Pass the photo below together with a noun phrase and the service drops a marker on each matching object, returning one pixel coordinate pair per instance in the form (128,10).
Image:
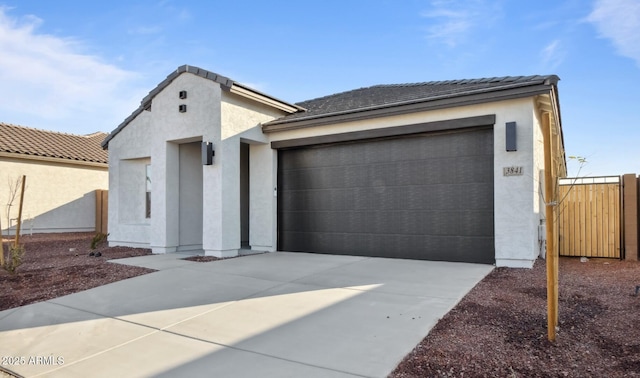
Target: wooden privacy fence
(102,199)
(589,217)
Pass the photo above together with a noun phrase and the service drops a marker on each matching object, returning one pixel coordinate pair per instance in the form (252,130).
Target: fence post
(101,211)
(630,216)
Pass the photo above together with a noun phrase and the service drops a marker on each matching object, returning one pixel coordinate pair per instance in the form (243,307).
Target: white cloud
(619,21)
(48,82)
(184,15)
(453,21)
(552,55)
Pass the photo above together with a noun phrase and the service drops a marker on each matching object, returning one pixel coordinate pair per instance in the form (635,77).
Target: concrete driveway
(269,315)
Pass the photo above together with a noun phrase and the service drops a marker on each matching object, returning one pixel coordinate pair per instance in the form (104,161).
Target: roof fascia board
(105,142)
(418,128)
(53,160)
(262,98)
(400,109)
(225,83)
(548,103)
(555,105)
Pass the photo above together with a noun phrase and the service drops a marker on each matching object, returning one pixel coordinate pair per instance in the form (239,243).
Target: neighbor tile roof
(34,142)
(381,96)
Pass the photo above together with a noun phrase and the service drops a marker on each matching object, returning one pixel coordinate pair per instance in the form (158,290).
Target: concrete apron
(268,315)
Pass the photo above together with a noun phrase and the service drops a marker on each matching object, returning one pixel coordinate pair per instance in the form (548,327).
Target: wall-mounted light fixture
(207,153)
(182,108)
(182,95)
(510,137)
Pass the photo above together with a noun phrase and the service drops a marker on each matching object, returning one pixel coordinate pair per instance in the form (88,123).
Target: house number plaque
(512,171)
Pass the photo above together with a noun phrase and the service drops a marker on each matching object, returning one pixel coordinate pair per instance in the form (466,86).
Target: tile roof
(386,96)
(34,142)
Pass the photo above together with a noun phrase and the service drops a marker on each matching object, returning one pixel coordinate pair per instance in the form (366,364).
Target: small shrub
(14,260)
(97,239)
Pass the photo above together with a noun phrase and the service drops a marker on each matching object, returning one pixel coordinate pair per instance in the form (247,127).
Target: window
(148,192)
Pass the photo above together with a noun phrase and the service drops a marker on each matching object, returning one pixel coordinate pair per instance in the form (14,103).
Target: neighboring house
(63,171)
(419,171)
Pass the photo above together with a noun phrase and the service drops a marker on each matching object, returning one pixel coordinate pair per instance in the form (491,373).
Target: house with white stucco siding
(63,172)
(443,170)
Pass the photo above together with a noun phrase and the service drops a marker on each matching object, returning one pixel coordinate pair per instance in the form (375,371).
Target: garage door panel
(472,169)
(421,197)
(442,248)
(470,226)
(475,196)
(435,223)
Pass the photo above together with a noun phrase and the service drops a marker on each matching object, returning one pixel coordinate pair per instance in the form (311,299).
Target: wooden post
(17,240)
(551,255)
(630,211)
(102,218)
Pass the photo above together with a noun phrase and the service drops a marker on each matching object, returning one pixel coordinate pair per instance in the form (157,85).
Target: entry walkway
(268,315)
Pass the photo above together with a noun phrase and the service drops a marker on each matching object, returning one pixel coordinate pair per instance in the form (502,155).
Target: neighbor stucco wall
(59,197)
(516,215)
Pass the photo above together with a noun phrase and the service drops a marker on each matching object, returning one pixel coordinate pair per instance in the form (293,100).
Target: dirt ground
(497,330)
(59,264)
(500,328)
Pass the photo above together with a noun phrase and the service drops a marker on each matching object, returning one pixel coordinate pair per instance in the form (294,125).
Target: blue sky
(84,66)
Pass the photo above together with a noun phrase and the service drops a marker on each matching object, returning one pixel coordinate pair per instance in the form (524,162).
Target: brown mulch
(500,328)
(59,264)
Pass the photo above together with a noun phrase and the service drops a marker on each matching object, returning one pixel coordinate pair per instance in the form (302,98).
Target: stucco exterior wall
(515,197)
(154,137)
(538,187)
(241,123)
(59,197)
(517,214)
(227,120)
(159,137)
(129,153)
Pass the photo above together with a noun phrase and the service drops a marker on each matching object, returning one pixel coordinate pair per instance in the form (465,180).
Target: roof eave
(432,103)
(50,159)
(263,98)
(550,103)
(225,83)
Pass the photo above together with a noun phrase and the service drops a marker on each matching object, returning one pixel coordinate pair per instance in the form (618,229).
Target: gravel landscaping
(497,330)
(500,328)
(59,264)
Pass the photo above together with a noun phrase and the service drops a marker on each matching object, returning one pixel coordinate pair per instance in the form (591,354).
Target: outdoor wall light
(182,108)
(207,153)
(182,95)
(510,138)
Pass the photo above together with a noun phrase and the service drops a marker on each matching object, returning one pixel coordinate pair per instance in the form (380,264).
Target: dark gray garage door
(427,197)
